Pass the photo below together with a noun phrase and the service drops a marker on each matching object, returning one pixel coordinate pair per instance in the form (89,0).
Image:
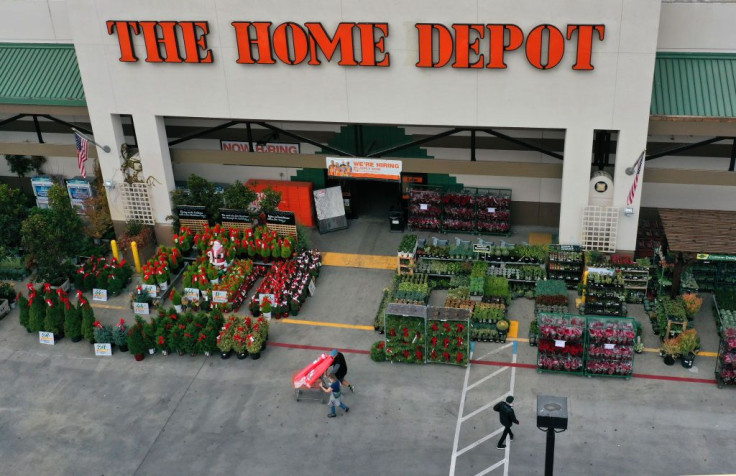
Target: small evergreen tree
(88,322)
(25,310)
(54,320)
(37,315)
(73,323)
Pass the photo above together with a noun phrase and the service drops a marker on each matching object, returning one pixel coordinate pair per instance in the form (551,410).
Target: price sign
(491,210)
(141,308)
(423,206)
(311,287)
(46,338)
(104,350)
(191,293)
(219,296)
(609,346)
(99,294)
(481,248)
(151,289)
(560,343)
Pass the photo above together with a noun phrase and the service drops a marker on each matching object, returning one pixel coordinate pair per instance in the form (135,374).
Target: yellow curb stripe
(109,306)
(518,339)
(703,353)
(326,324)
(348,260)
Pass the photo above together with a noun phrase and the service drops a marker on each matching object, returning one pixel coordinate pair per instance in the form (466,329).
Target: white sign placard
(141,308)
(559,343)
(99,294)
(191,293)
(46,338)
(151,289)
(423,206)
(491,210)
(609,346)
(219,296)
(103,350)
(312,287)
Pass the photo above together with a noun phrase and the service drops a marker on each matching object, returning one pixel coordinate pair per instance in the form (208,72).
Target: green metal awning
(694,84)
(40,74)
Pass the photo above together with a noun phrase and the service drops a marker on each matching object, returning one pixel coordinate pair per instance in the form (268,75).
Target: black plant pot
(123,348)
(78,338)
(533,339)
(225,355)
(688,360)
(255,356)
(242,356)
(669,360)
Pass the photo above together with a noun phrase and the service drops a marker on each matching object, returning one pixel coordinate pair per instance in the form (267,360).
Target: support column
(156,161)
(108,131)
(631,142)
(575,179)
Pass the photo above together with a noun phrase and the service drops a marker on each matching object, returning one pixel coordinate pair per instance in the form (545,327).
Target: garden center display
(724,309)
(561,341)
(550,296)
(565,263)
(604,294)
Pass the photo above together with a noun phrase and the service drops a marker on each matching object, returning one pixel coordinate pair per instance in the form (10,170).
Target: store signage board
(192,212)
(191,293)
(141,308)
(482,248)
(568,247)
(46,338)
(604,271)
(275,147)
(235,216)
(99,294)
(41,186)
(219,296)
(310,43)
(711,257)
(150,289)
(364,168)
(103,350)
(79,191)
(280,218)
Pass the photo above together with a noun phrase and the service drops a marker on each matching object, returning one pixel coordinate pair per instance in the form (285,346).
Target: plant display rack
(490,322)
(609,350)
(712,272)
(469,210)
(671,317)
(725,312)
(422,334)
(636,282)
(561,341)
(592,346)
(650,236)
(550,296)
(604,293)
(406,254)
(566,263)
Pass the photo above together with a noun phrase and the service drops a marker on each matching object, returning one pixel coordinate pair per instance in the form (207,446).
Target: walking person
(335,396)
(507,417)
(340,368)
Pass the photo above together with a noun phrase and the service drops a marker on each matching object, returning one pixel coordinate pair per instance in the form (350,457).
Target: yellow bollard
(115,252)
(136,257)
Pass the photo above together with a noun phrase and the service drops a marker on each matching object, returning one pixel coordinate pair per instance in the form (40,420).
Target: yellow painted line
(348,260)
(514,329)
(518,339)
(110,306)
(327,324)
(703,353)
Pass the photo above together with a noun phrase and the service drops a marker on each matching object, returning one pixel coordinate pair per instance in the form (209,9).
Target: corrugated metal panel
(694,84)
(42,74)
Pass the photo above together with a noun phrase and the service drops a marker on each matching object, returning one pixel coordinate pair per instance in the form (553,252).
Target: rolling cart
(307,383)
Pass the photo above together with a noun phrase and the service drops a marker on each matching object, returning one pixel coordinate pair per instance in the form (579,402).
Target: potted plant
(176,300)
(225,339)
(240,342)
(120,336)
(102,333)
(265,305)
(25,310)
(54,320)
(7,292)
(135,341)
(378,351)
(88,320)
(73,324)
(533,333)
(162,336)
(254,345)
(670,350)
(689,344)
(37,314)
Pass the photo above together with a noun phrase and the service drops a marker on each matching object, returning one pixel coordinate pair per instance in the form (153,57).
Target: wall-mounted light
(628,211)
(109,184)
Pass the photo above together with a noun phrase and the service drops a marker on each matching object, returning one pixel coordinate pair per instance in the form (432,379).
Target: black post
(37,126)
(549,460)
(250,136)
(472,145)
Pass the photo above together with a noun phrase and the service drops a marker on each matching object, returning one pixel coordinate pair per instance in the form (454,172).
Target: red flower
(160,340)
(406,354)
(459,357)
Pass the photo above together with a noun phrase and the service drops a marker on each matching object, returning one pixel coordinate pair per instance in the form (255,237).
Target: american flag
(632,192)
(82,145)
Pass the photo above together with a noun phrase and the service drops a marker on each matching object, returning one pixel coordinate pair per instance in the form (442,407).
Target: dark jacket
(506,414)
(340,367)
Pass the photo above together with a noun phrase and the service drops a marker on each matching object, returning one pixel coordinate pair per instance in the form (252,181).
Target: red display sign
(467,46)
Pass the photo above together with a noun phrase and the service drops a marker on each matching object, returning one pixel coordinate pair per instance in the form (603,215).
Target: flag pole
(632,169)
(103,147)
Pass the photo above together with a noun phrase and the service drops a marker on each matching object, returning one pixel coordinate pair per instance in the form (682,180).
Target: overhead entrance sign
(369,169)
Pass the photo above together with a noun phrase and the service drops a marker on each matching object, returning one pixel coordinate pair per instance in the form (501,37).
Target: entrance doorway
(369,198)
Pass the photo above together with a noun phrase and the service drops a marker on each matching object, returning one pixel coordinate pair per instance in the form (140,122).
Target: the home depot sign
(362,44)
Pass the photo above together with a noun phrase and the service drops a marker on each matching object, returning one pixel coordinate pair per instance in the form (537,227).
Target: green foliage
(14,207)
(458,293)
(414,288)
(72,323)
(102,334)
(407,244)
(269,201)
(378,351)
(136,345)
(88,321)
(199,192)
(550,287)
(22,164)
(37,315)
(239,197)
(54,320)
(496,286)
(303,241)
(24,311)
(480,269)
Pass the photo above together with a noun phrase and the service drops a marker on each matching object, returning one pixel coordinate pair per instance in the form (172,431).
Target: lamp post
(552,419)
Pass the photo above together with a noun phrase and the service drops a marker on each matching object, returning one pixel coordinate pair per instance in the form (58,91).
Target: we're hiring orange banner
(376,169)
(464,46)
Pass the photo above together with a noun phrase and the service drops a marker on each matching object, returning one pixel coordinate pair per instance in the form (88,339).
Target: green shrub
(88,321)
(54,320)
(378,351)
(72,323)
(24,311)
(37,315)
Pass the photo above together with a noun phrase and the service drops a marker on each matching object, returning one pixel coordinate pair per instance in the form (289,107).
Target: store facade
(565,71)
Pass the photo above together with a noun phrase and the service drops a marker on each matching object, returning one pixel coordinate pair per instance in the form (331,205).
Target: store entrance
(369,198)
